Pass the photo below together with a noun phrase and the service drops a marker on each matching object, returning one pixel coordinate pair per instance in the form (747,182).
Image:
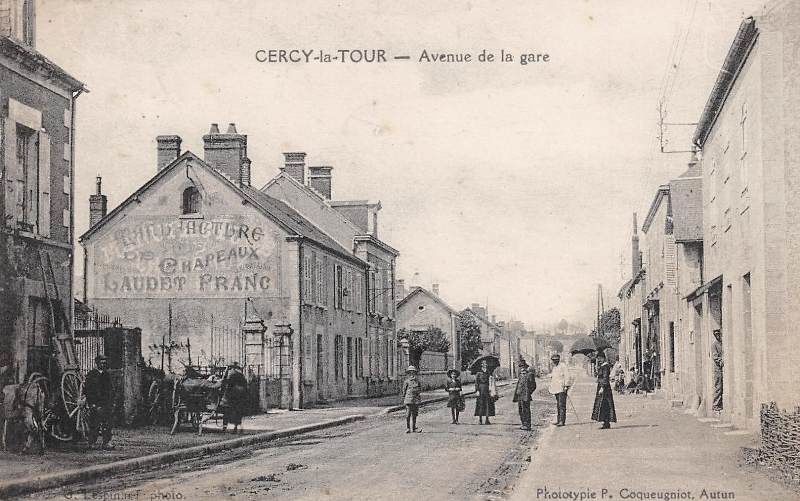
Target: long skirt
(484,404)
(603,409)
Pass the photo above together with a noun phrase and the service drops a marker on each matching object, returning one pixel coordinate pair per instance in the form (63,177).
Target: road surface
(373,459)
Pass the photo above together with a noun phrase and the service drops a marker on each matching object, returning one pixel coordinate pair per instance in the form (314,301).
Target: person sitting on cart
(99,393)
(234,396)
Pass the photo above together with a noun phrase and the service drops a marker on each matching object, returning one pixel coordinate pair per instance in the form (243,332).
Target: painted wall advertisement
(170,257)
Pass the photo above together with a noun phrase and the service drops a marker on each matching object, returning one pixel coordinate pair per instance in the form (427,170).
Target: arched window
(191,200)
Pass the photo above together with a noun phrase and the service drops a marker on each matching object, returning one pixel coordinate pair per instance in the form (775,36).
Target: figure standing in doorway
(717,357)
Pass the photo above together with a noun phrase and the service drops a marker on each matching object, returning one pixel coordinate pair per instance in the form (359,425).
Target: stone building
(197,248)
(750,141)
(37,117)
(353,224)
(422,309)
(673,231)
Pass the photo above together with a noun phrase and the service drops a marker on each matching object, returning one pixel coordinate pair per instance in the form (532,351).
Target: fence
(89,329)
(780,441)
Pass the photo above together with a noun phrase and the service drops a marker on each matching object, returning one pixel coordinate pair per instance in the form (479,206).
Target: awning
(703,288)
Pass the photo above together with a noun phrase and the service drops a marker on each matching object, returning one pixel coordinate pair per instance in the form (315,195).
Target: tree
(469,335)
(557,346)
(610,327)
(563,325)
(431,339)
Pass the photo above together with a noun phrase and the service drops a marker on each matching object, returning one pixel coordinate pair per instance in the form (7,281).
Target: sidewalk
(146,442)
(652,449)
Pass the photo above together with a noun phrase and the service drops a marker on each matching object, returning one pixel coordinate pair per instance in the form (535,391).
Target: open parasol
(492,363)
(589,344)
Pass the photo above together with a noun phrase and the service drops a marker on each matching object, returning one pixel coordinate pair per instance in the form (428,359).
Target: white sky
(500,181)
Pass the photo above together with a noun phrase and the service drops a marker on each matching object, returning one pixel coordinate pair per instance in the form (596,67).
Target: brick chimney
(295,165)
(244,177)
(400,289)
(319,178)
(98,204)
(225,152)
(18,20)
(435,289)
(169,149)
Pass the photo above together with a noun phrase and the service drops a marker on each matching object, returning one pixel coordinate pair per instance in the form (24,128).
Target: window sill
(191,216)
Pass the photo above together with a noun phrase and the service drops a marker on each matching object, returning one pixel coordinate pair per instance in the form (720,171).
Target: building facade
(354,226)
(421,309)
(37,118)
(197,253)
(748,135)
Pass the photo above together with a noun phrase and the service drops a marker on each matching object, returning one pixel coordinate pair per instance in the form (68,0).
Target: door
(349,368)
(320,365)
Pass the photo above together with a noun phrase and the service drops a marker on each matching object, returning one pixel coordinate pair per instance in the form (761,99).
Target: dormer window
(191,200)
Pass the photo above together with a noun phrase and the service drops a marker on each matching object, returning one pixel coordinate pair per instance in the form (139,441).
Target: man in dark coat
(526,384)
(99,393)
(717,355)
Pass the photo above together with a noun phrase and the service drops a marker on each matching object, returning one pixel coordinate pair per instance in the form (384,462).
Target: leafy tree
(431,339)
(563,325)
(610,327)
(557,346)
(469,334)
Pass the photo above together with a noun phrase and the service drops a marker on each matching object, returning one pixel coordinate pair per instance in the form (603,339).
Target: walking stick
(573,408)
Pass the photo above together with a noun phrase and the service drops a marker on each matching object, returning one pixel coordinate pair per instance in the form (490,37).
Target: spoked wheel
(71,395)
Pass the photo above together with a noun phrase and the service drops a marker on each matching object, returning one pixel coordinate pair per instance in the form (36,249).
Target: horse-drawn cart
(195,399)
(49,402)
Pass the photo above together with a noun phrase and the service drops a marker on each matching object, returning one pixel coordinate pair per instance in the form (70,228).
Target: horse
(25,405)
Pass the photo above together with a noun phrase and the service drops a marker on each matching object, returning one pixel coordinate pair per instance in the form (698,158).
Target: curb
(61,479)
(433,400)
(443,398)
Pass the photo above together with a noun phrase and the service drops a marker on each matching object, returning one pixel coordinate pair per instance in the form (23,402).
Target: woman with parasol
(603,409)
(485,386)
(455,401)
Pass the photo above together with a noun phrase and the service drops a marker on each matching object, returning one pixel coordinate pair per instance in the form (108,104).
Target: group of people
(486,394)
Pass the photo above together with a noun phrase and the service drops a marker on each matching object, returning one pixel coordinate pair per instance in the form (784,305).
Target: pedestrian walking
(412,389)
(717,355)
(455,399)
(486,394)
(234,397)
(98,390)
(560,381)
(603,409)
(526,384)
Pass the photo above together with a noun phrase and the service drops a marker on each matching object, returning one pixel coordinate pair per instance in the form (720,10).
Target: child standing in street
(411,398)
(455,401)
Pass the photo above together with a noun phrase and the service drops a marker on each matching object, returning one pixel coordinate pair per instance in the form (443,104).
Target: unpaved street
(374,459)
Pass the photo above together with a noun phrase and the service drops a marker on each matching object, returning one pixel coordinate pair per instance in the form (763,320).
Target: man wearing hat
(412,389)
(717,355)
(455,401)
(99,393)
(560,381)
(526,384)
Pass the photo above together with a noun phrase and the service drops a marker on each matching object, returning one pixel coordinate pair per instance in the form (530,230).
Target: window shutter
(44,185)
(13,172)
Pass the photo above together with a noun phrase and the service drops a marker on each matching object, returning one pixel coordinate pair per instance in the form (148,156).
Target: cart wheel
(84,425)
(58,432)
(71,392)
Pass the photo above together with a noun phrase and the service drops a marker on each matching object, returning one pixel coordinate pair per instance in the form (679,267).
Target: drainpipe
(297,339)
(71,306)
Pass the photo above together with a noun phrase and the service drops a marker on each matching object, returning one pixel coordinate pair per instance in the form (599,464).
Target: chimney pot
(231,129)
(320,179)
(225,152)
(295,165)
(168,149)
(435,289)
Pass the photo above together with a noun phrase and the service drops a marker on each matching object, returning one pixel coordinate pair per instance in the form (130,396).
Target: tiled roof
(434,297)
(687,208)
(292,219)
